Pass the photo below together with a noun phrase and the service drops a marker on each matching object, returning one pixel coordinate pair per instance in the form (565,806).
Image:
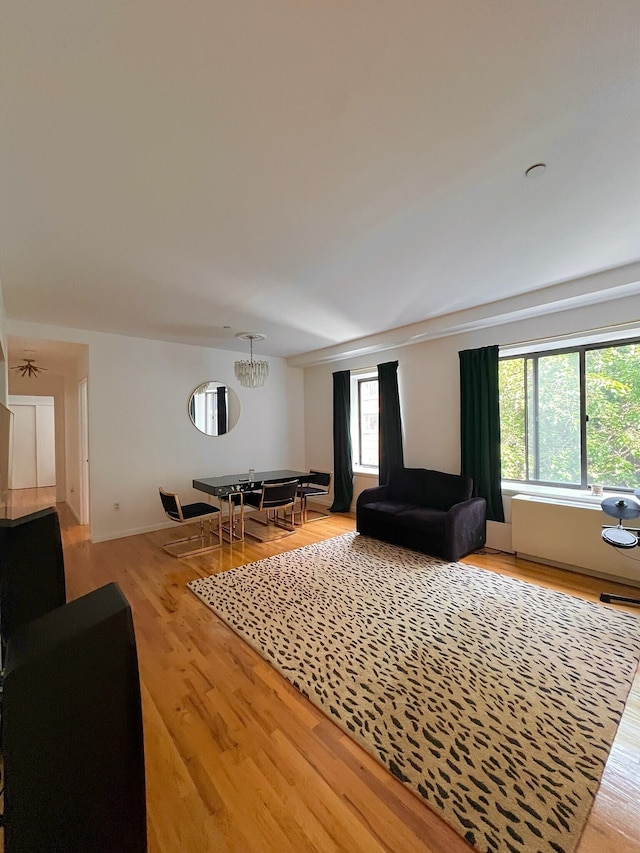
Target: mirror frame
(230,407)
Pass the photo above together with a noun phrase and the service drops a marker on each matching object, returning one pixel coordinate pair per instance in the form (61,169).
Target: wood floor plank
(237,760)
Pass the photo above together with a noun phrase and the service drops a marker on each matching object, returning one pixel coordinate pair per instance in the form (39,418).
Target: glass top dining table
(234,483)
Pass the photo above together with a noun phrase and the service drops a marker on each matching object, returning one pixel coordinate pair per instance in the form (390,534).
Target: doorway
(33,463)
(83,398)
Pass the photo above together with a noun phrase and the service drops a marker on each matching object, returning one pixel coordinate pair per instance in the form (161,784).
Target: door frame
(83,405)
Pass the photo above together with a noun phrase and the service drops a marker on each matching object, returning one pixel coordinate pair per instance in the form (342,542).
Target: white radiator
(570,536)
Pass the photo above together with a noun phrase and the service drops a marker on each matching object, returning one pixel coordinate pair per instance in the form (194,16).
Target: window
(364,420)
(571,417)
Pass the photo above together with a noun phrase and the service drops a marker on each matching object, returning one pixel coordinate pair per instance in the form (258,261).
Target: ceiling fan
(29,368)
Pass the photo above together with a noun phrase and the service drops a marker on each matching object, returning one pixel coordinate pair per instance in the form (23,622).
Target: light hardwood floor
(237,760)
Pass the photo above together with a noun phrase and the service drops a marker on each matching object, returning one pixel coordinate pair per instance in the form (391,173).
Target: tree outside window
(572,417)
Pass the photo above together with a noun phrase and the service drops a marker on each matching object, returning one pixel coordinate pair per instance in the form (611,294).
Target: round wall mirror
(214,408)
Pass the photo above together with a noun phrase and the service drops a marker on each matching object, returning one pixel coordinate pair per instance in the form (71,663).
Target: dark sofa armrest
(473,505)
(466,525)
(369,496)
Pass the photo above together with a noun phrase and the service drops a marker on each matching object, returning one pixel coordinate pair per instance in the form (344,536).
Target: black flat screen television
(72,738)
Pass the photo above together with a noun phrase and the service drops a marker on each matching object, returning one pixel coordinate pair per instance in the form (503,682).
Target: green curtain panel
(390,451)
(480,425)
(342,460)
(221,399)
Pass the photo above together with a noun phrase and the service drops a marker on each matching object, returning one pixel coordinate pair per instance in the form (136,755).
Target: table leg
(232,500)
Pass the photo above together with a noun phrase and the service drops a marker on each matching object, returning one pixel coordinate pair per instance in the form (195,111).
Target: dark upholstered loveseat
(429,511)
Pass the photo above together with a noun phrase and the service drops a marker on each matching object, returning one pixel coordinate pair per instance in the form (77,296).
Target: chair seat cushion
(198,509)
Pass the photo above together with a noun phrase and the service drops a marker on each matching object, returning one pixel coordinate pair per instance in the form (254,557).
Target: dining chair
(316,483)
(273,499)
(188,514)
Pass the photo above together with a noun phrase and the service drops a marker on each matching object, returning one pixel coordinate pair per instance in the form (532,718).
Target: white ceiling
(55,357)
(315,170)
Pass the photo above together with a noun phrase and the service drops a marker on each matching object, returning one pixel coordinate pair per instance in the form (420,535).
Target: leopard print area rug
(494,700)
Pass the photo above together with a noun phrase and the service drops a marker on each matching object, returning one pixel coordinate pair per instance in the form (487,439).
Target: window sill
(554,494)
(365,472)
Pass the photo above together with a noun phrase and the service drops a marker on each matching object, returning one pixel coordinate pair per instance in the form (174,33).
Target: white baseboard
(122,534)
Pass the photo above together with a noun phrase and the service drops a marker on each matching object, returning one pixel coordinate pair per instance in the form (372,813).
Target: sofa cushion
(388,507)
(407,485)
(428,488)
(445,490)
(422,517)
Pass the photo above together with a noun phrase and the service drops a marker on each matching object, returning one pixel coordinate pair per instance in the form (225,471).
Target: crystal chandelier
(251,374)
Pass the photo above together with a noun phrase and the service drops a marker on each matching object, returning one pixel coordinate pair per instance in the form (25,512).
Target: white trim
(612,335)
(605,286)
(366,472)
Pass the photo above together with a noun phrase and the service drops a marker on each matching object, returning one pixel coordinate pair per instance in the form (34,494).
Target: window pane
(513,448)
(531,429)
(558,419)
(368,398)
(541,417)
(613,407)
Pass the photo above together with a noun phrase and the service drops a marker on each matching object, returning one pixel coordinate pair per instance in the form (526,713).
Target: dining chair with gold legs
(316,483)
(275,501)
(201,512)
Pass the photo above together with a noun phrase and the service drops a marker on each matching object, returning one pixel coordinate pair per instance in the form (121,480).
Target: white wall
(572,537)
(4,368)
(72,437)
(140,434)
(429,384)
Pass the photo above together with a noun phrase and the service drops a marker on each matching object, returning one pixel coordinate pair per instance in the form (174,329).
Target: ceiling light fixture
(251,374)
(29,368)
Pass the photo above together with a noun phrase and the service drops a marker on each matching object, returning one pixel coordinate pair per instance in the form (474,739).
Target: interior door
(84,452)
(33,459)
